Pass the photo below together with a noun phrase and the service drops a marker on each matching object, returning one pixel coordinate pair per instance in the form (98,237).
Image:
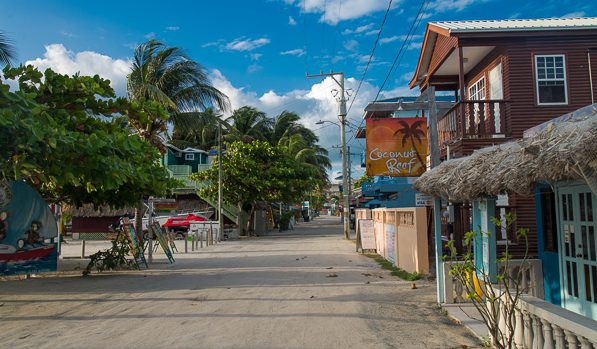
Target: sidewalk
(468,316)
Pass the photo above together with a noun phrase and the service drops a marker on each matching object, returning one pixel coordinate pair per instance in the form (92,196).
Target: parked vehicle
(180,225)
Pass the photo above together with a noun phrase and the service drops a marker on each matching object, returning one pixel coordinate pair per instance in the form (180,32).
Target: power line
(405,42)
(383,22)
(411,32)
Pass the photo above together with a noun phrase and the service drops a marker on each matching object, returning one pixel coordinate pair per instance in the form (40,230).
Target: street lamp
(345,195)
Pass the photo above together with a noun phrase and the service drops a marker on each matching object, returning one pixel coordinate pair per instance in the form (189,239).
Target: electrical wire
(383,22)
(405,42)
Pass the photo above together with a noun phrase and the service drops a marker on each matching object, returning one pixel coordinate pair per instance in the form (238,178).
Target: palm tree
(414,133)
(202,134)
(248,124)
(168,76)
(7,51)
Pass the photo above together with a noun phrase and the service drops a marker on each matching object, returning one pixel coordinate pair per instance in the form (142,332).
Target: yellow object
(476,284)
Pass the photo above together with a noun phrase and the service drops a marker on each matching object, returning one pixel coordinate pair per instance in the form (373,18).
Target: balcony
(474,122)
(182,174)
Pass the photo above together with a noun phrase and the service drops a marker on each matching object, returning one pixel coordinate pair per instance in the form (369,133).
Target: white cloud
(439,6)
(68,34)
(64,61)
(291,21)
(243,44)
(574,14)
(314,104)
(172,28)
(253,68)
(255,56)
(213,43)
(358,30)
(334,11)
(299,52)
(350,45)
(396,38)
(149,36)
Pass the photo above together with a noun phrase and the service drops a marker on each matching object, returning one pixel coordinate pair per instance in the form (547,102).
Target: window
(551,79)
(188,156)
(476,93)
(477,90)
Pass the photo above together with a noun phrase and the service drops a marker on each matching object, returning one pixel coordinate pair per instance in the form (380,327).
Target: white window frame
(536,66)
(483,97)
(189,156)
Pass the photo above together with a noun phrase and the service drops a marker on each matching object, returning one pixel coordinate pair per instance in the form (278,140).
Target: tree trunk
(251,218)
(139,219)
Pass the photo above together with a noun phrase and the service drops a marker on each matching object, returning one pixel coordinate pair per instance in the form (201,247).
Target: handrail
(563,318)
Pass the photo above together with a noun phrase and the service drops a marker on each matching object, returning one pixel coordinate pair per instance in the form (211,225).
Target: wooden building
(506,76)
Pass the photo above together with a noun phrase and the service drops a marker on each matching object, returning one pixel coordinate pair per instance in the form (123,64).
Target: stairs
(228,210)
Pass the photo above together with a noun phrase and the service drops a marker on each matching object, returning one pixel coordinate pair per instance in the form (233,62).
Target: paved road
(303,289)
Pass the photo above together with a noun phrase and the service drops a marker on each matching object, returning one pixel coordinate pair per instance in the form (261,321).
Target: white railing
(529,271)
(542,325)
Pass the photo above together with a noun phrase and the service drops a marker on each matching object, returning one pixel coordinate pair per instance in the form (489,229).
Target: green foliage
(395,271)
(255,172)
(363,179)
(68,137)
(284,221)
(113,258)
(7,51)
(494,296)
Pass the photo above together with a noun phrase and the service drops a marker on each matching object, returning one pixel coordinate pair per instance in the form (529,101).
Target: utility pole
(342,117)
(220,184)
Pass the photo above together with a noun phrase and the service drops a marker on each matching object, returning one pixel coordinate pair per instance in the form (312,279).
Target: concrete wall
(401,237)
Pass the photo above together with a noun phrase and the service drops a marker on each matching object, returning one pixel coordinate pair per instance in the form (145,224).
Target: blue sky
(256,51)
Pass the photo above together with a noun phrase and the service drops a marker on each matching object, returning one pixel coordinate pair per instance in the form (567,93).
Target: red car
(181,225)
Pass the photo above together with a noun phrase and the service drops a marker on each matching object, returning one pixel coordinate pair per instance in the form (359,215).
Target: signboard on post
(366,234)
(396,147)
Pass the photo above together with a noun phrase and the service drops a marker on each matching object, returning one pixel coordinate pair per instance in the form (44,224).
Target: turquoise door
(577,213)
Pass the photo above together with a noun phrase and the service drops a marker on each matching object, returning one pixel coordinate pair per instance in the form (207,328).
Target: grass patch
(385,264)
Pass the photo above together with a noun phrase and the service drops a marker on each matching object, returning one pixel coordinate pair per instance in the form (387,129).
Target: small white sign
(367,234)
(423,200)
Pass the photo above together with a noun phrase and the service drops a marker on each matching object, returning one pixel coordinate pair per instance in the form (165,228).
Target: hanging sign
(396,147)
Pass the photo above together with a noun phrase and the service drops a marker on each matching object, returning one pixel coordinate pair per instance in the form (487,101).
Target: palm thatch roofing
(561,149)
(89,211)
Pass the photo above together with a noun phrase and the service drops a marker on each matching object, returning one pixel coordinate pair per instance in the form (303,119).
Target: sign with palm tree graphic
(396,147)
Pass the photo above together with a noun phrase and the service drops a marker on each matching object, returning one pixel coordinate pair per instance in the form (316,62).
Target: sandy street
(303,289)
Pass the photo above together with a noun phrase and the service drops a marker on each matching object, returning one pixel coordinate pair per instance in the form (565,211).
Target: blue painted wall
(390,192)
(549,259)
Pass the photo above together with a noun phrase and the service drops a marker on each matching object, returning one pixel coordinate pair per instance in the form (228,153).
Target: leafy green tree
(7,51)
(203,133)
(166,75)
(68,137)
(257,171)
(363,179)
(248,124)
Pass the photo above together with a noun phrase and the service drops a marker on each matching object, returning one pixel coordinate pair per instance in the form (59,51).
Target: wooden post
(461,89)
(83,249)
(437,227)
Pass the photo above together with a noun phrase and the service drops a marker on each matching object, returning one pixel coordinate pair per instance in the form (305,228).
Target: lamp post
(345,195)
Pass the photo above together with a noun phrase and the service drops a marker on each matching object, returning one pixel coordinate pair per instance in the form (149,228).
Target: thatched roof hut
(561,149)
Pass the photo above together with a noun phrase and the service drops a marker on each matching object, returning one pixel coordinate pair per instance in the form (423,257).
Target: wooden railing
(473,119)
(529,272)
(541,325)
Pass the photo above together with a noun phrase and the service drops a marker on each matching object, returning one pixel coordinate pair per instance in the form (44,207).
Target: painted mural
(28,231)
(396,147)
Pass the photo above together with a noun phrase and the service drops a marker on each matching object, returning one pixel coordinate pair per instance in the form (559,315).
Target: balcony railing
(473,120)
(529,271)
